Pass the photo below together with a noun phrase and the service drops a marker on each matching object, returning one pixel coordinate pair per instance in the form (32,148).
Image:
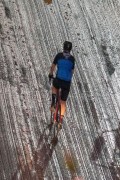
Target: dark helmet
(67,46)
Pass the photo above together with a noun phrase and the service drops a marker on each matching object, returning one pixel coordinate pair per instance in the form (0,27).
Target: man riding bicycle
(65,66)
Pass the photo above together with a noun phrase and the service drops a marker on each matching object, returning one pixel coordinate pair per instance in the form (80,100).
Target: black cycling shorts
(65,87)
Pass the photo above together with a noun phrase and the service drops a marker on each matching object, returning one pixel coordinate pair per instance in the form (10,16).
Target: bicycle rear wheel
(54,134)
(54,127)
(55,119)
(59,118)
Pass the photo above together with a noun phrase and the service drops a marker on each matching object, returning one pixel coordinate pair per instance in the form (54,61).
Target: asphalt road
(31,33)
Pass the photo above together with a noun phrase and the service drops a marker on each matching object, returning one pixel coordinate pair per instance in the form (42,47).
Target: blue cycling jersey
(65,65)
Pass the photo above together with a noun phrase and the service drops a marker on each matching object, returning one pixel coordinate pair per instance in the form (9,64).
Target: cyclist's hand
(50,77)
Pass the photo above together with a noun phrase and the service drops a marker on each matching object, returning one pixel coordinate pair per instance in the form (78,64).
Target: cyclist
(65,66)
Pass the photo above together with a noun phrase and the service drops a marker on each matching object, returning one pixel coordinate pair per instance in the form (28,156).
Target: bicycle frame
(56,117)
(58,107)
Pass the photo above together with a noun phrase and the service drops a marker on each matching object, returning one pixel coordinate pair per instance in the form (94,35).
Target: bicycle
(56,116)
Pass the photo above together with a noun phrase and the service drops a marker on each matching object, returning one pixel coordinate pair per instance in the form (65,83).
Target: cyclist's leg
(54,95)
(64,95)
(63,107)
(55,88)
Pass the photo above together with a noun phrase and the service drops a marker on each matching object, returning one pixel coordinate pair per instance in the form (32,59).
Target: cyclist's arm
(52,69)
(73,65)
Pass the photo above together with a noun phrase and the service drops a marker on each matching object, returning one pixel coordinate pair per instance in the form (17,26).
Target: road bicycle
(56,116)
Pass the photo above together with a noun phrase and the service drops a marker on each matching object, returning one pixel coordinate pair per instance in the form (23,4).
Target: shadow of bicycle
(34,167)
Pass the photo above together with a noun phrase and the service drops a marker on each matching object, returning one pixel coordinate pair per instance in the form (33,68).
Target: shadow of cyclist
(43,153)
(36,166)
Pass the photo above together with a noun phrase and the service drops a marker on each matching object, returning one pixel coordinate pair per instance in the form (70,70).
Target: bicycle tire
(54,127)
(59,114)
(55,119)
